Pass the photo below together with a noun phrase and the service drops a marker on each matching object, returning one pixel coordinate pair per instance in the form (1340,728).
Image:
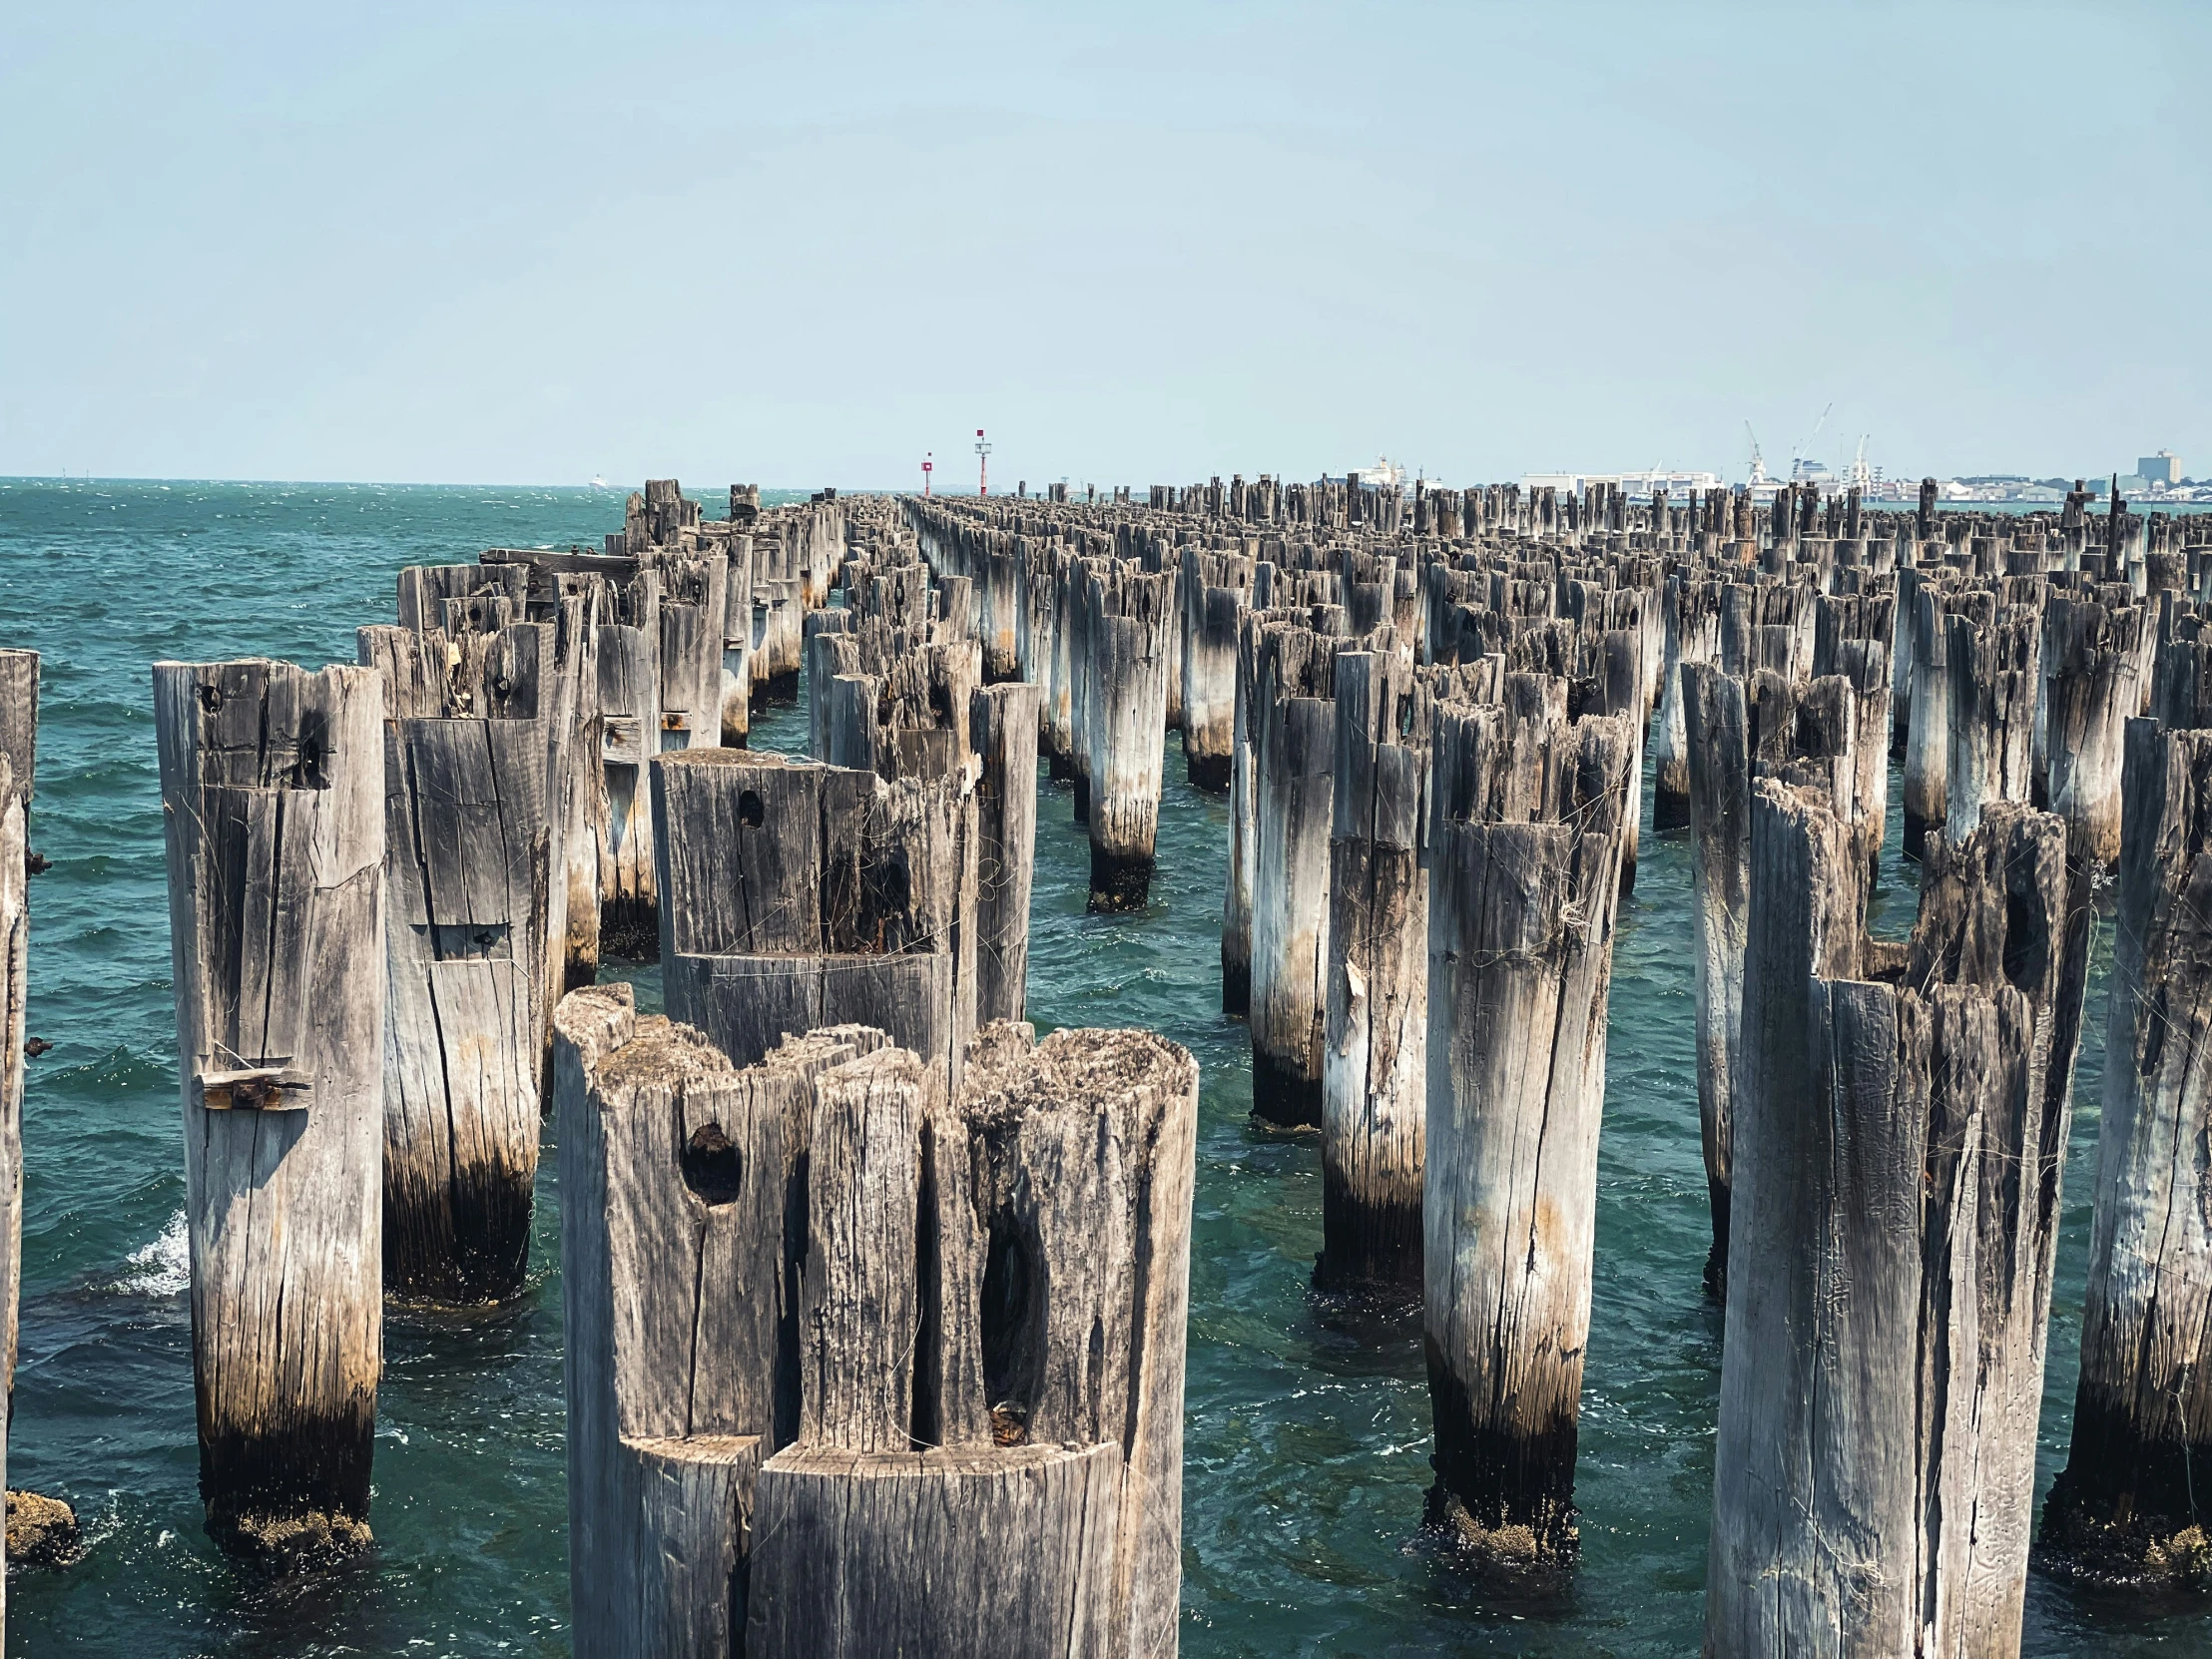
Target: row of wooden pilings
(1433,757)
(382,877)
(860,1278)
(472,799)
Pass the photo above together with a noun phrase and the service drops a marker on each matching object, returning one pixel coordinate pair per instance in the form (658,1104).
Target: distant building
(1676,484)
(2161,470)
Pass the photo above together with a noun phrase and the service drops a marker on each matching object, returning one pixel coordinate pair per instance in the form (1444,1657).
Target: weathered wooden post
(953,617)
(1003,732)
(1003,604)
(1992,715)
(19,720)
(819,1392)
(1125,636)
(1244,849)
(1292,737)
(2124,1510)
(1617,666)
(1718,743)
(273,811)
(628,684)
(18,747)
(478,598)
(56,1524)
(568,724)
(470,857)
(680,1357)
(1524,848)
(1375,1061)
(1210,612)
(579,788)
(1079,581)
(833,649)
(1901,676)
(1052,649)
(2004,923)
(806,897)
(1693,635)
(693,623)
(1927,737)
(736,640)
(2092,690)
(1874,1468)
(1817,1147)
(1738,733)
(1048,1289)
(14,979)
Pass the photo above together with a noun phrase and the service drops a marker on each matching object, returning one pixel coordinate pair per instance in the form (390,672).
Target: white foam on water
(163,1268)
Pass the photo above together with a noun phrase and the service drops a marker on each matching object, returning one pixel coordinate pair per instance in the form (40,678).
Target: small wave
(163,1268)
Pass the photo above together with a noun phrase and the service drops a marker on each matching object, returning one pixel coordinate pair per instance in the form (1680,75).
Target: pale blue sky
(801,245)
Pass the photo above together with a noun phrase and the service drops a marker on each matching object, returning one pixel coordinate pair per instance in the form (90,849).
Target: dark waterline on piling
(1308,1444)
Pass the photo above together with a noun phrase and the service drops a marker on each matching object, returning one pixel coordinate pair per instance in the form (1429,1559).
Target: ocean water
(1308,1426)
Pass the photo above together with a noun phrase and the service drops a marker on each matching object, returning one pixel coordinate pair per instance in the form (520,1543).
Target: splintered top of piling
(1010,1074)
(755,758)
(652,1050)
(812,1052)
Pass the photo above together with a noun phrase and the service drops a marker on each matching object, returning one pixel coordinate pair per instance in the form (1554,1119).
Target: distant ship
(1386,475)
(599,483)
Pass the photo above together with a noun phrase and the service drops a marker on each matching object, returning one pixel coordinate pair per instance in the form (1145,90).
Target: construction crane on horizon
(1758,461)
(1796,457)
(1862,478)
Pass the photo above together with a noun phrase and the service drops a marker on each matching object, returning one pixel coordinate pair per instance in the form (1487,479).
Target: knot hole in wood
(1013,1319)
(713,1167)
(2026,936)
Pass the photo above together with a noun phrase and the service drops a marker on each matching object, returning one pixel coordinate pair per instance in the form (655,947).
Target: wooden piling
(469,857)
(680,1358)
(273,803)
(14,981)
(1927,737)
(807,896)
(1243,848)
(1883,1370)
(1293,737)
(1003,729)
(629,685)
(572,929)
(2091,689)
(833,649)
(1738,733)
(1992,715)
(2123,1511)
(737,641)
(1125,634)
(1717,744)
(693,627)
(1375,1060)
(819,1395)
(1054,1419)
(1693,635)
(19,672)
(1814,1445)
(1524,848)
(1210,612)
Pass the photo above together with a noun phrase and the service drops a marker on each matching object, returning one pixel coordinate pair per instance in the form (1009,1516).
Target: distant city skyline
(502,244)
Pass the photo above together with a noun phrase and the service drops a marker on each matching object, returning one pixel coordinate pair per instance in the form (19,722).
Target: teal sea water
(1308,1426)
